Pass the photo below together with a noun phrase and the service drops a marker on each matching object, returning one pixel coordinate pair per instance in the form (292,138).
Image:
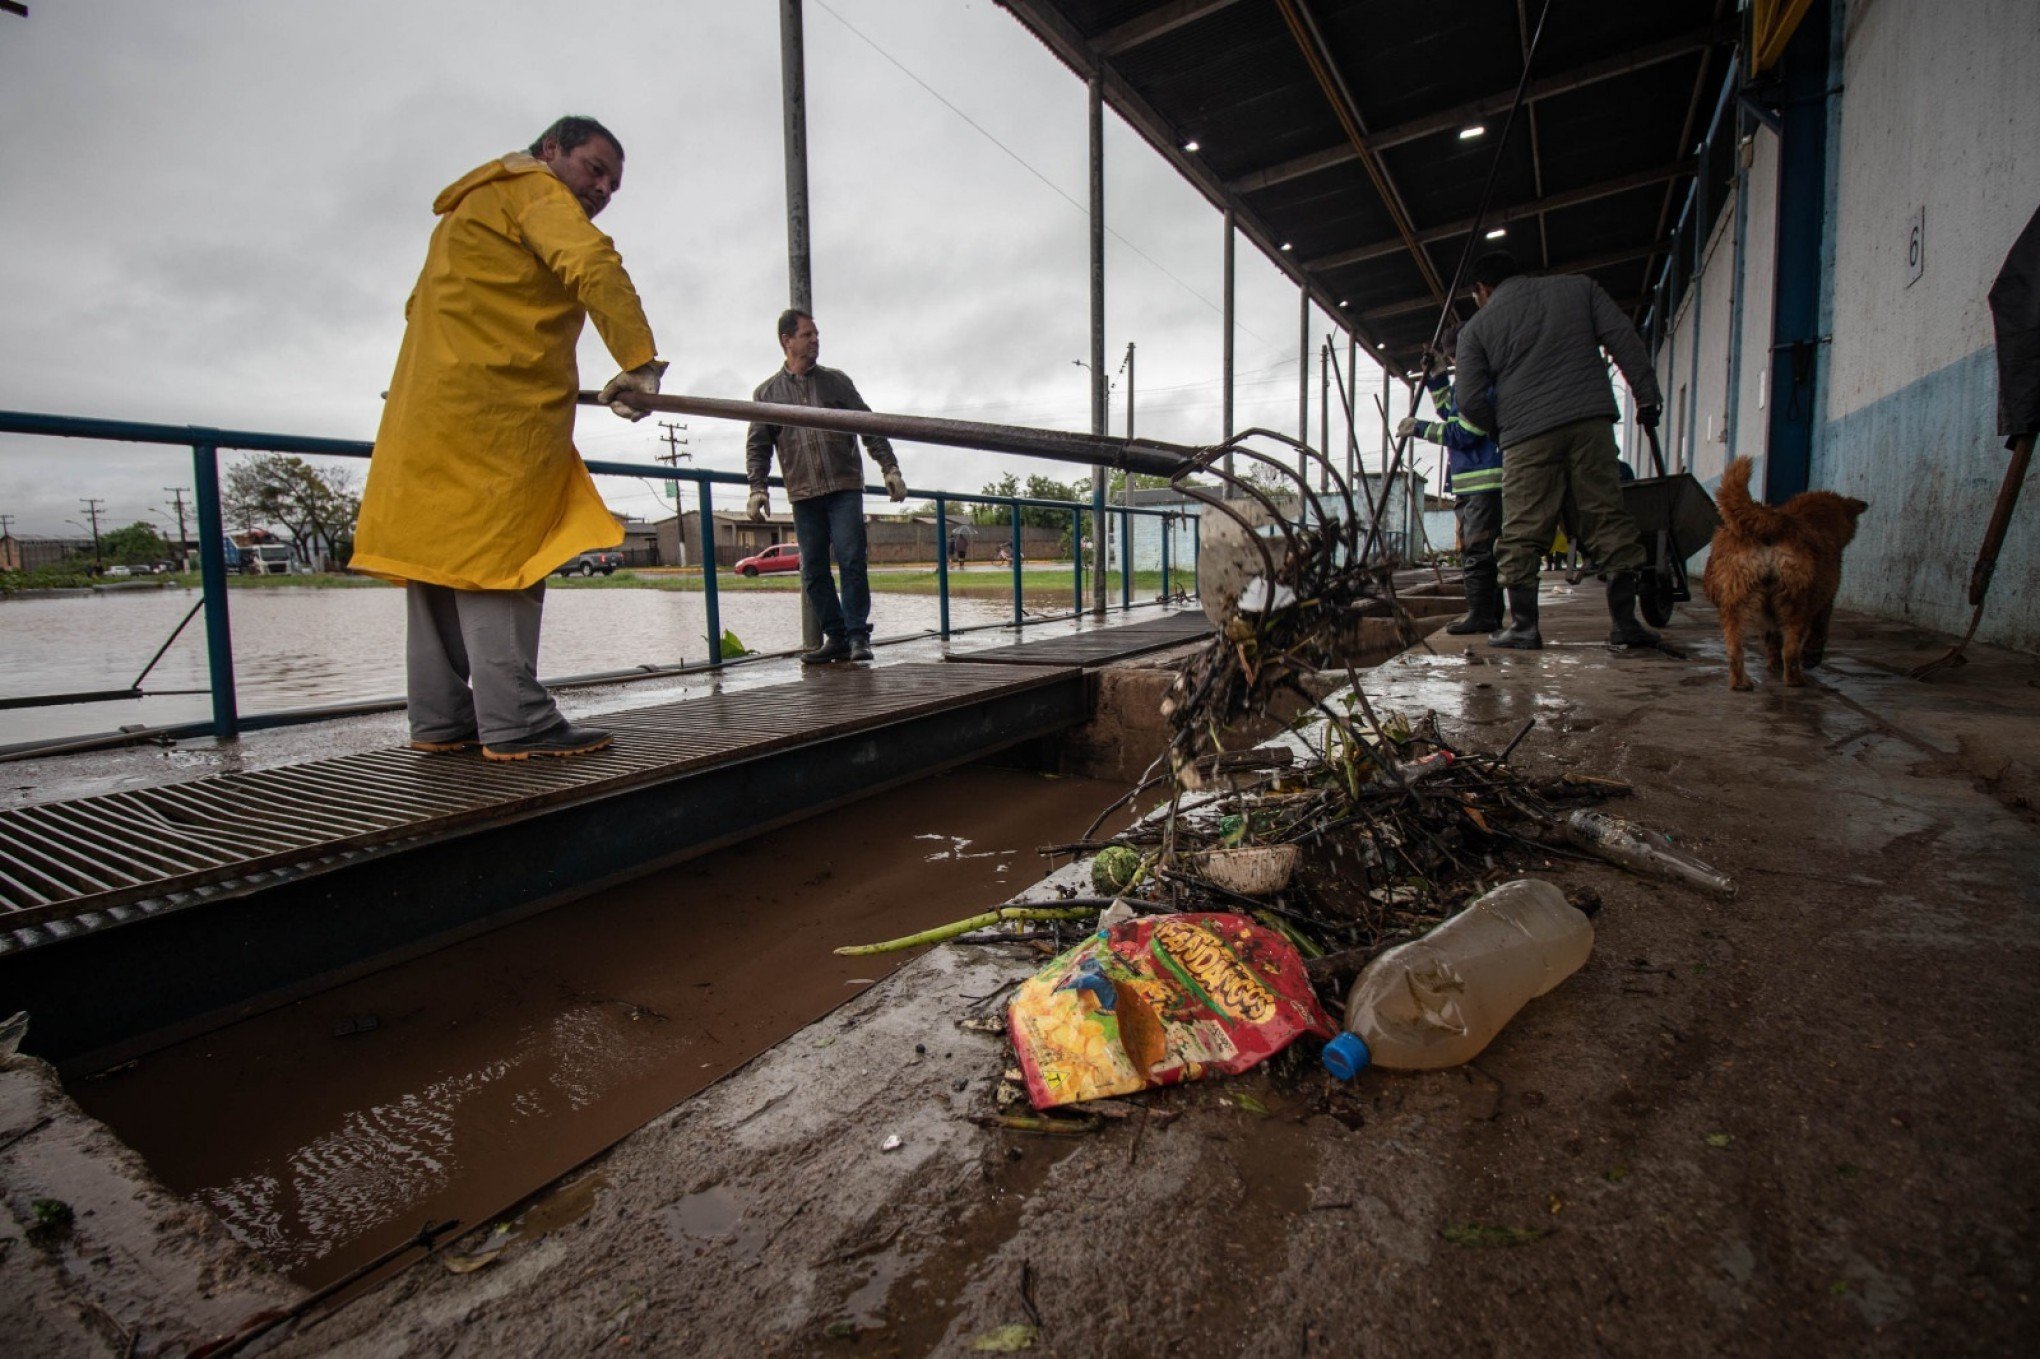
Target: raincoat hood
(503,167)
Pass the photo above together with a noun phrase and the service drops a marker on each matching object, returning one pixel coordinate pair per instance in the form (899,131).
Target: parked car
(778,557)
(118,570)
(590,563)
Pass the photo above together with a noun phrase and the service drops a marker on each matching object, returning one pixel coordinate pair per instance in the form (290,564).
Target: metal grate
(97,853)
(1099,646)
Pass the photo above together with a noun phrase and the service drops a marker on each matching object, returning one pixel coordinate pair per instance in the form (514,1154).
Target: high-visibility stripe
(1479,479)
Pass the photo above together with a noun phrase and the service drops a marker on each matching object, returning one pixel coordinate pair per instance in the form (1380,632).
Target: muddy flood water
(295,647)
(329,1131)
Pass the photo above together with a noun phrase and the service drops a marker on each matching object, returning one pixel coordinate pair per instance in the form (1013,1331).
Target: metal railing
(206,445)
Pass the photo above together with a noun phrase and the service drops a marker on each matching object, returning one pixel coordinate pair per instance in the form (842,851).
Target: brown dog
(1778,567)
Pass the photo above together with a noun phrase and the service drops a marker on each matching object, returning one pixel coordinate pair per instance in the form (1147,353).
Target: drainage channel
(328,1131)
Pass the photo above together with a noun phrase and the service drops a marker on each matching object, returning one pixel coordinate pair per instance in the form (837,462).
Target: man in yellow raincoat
(476,493)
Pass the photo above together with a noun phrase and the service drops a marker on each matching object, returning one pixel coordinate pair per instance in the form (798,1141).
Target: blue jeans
(833,525)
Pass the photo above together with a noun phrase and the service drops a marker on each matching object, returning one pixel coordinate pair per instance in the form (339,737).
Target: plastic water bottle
(1437,1001)
(1642,849)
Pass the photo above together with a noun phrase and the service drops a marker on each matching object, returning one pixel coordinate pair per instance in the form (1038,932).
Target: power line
(1023,163)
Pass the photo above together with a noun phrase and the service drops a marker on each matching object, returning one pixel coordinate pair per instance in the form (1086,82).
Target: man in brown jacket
(825,482)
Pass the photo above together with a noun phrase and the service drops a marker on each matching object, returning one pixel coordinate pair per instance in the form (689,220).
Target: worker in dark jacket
(825,482)
(1530,368)
(1474,475)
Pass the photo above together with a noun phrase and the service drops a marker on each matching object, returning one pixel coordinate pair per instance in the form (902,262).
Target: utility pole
(6,526)
(177,498)
(92,509)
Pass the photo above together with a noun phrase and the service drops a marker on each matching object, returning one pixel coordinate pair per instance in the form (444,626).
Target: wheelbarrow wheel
(1655,598)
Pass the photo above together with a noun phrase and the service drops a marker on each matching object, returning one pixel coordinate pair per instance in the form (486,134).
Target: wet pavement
(1797,1120)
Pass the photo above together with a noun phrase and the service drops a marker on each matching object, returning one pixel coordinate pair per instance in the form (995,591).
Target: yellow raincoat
(475,482)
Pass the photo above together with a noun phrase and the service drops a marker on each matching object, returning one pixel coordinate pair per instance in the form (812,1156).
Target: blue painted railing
(206,445)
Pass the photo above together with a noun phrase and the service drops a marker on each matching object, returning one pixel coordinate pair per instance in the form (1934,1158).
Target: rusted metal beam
(1145,28)
(1549,203)
(1452,119)
(1317,55)
(1584,265)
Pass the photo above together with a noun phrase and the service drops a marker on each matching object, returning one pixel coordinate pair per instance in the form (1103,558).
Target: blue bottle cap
(1346,1056)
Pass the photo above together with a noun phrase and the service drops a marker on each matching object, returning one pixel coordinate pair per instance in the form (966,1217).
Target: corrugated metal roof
(1591,176)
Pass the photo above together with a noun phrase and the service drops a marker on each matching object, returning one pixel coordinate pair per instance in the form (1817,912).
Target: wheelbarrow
(1677,518)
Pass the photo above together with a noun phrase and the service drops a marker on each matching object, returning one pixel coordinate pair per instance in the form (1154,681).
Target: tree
(317,508)
(996,514)
(138,542)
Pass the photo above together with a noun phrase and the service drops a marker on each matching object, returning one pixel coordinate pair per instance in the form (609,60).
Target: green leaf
(1482,1234)
(733,646)
(1720,1139)
(1250,1104)
(1006,1339)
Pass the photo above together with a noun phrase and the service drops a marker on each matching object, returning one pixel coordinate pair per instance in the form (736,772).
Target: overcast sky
(213,211)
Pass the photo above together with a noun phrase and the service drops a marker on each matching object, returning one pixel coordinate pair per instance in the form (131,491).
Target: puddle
(710,1219)
(326,1132)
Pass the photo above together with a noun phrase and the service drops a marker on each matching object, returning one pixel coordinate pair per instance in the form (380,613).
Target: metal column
(1352,407)
(1303,380)
(1324,413)
(941,563)
(1098,535)
(212,573)
(793,99)
(710,600)
(1225,418)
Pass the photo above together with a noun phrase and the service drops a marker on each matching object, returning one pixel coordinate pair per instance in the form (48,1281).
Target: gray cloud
(217,211)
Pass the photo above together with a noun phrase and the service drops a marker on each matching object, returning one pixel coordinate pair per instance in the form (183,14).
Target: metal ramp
(1099,646)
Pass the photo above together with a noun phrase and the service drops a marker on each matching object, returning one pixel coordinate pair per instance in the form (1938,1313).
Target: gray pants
(471,657)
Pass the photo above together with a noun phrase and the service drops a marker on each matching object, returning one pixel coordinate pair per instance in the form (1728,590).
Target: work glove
(895,484)
(643,378)
(1432,361)
(1647,416)
(758,505)
(1407,427)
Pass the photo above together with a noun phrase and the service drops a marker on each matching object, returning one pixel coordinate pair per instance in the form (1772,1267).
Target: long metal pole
(212,574)
(1098,390)
(1225,418)
(1126,499)
(800,279)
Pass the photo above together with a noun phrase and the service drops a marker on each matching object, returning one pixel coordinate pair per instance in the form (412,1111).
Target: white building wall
(1938,114)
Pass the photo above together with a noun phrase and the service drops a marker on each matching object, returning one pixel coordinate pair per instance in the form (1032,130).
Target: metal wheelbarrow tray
(1677,518)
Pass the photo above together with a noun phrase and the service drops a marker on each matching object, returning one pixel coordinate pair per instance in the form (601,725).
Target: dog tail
(1744,516)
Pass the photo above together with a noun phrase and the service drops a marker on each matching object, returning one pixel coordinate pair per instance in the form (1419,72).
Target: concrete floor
(1801,1119)
(1798,1120)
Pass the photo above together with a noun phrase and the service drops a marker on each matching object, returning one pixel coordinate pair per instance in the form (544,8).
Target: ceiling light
(1285,247)
(1498,233)
(1467,134)
(1190,145)
(1342,301)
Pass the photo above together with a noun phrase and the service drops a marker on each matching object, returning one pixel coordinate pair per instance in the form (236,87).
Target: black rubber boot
(831,650)
(1483,603)
(1629,630)
(1522,634)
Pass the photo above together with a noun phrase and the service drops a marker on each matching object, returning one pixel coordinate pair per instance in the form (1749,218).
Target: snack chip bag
(1157,1000)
